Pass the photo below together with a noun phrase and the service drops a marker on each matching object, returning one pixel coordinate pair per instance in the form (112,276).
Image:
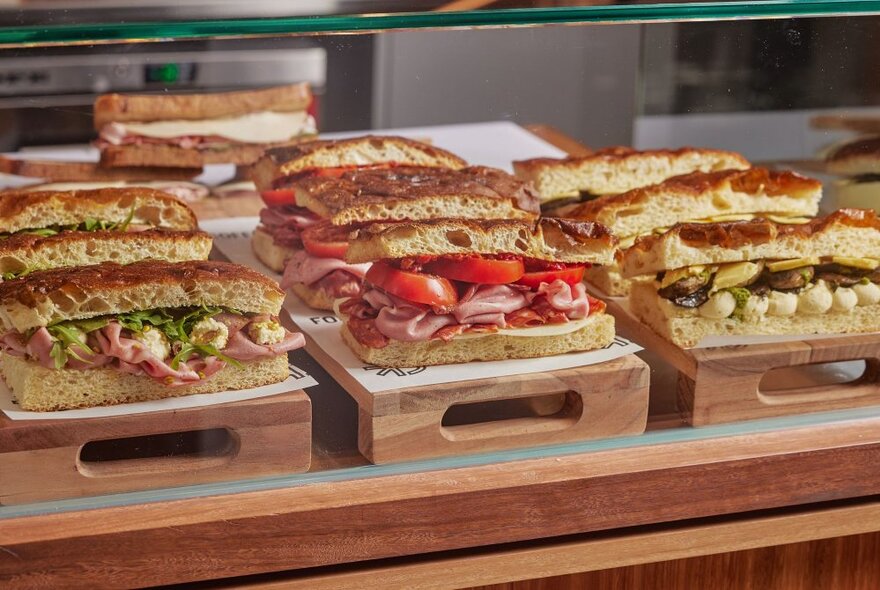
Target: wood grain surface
(268,436)
(355,520)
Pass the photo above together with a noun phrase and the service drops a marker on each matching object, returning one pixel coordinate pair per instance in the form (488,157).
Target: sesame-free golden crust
(16,203)
(751,181)
(619,154)
(111,108)
(56,171)
(286,156)
(864,147)
(735,234)
(363,187)
(39,286)
(26,241)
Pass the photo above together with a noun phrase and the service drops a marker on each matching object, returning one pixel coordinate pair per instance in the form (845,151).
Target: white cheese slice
(264,127)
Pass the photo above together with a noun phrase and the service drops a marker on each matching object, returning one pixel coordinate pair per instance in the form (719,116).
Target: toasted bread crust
(619,169)
(858,157)
(286,160)
(55,171)
(712,240)
(171,155)
(547,239)
(110,108)
(26,210)
(33,242)
(351,197)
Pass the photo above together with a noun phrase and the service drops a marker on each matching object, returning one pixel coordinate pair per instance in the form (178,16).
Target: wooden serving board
(724,384)
(596,401)
(51,460)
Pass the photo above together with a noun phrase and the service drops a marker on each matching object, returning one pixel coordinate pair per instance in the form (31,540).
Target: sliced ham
(488,304)
(568,299)
(242,348)
(401,320)
(308,270)
(339,284)
(285,224)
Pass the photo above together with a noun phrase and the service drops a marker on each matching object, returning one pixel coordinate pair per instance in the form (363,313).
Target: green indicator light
(169,73)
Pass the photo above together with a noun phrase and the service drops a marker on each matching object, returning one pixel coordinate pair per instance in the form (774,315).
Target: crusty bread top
(846,232)
(46,297)
(26,241)
(562,240)
(30,210)
(363,195)
(55,171)
(860,156)
(143,108)
(619,169)
(366,150)
(701,195)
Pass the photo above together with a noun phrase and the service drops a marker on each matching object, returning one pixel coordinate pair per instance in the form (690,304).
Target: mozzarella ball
(815,300)
(755,308)
(720,305)
(868,294)
(782,304)
(844,299)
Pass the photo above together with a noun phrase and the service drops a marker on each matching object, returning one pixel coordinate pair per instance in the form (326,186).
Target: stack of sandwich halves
(107,297)
(426,259)
(712,246)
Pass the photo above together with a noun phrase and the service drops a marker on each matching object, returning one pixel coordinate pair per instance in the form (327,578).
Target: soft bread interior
(670,251)
(688,331)
(314,298)
(28,210)
(268,252)
(597,333)
(28,253)
(550,239)
(608,280)
(39,389)
(43,298)
(618,170)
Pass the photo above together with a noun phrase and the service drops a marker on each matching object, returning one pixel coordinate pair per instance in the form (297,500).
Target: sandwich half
(305,227)
(455,291)
(618,169)
(191,130)
(759,277)
(110,334)
(43,230)
(699,197)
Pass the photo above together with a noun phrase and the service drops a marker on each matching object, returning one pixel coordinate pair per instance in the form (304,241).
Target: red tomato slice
(279,196)
(475,269)
(325,240)
(571,275)
(413,286)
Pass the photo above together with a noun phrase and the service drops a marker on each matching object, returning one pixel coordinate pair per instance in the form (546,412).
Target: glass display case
(333,469)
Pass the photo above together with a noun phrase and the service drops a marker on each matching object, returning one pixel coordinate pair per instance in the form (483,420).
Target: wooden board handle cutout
(203,449)
(861,385)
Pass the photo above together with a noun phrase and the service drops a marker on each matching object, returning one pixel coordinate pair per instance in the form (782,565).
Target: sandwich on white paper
(110,334)
(699,197)
(191,130)
(759,277)
(43,230)
(455,291)
(619,169)
(310,210)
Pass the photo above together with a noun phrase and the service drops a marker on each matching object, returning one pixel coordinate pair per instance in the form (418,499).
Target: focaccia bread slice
(597,332)
(26,253)
(856,158)
(279,163)
(118,108)
(154,154)
(141,206)
(56,171)
(620,169)
(686,327)
(417,192)
(46,297)
(703,195)
(846,232)
(553,239)
(268,252)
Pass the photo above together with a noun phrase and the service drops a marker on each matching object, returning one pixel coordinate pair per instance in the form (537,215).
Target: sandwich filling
(252,128)
(441,298)
(173,346)
(749,291)
(88,224)
(188,192)
(321,264)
